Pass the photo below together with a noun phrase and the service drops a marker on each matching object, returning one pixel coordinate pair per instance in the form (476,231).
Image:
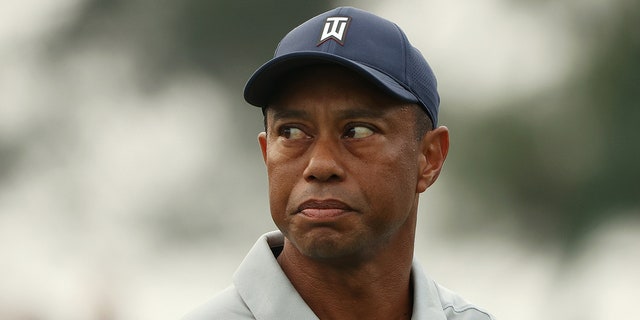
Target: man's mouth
(323,209)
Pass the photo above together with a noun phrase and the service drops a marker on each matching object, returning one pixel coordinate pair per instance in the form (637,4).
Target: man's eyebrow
(279,114)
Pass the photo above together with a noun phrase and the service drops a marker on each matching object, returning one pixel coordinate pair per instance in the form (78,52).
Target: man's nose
(324,162)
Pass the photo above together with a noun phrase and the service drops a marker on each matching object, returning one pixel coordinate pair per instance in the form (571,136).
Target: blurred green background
(131,183)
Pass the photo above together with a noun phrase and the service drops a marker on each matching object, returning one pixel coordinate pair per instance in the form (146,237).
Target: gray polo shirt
(260,290)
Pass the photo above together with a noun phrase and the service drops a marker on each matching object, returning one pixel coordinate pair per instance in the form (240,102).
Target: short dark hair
(423,123)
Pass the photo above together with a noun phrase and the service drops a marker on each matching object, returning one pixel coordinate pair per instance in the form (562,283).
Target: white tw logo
(335,28)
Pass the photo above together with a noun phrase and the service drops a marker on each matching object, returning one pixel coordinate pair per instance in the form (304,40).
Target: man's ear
(434,146)
(262,140)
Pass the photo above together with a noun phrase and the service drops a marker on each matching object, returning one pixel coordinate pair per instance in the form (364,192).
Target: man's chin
(333,247)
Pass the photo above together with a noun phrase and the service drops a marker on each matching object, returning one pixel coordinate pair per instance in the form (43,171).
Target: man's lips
(319,209)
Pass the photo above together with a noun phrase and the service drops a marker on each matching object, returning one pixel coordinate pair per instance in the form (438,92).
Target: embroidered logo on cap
(335,28)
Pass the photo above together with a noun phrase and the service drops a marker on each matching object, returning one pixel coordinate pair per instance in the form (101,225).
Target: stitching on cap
(404,52)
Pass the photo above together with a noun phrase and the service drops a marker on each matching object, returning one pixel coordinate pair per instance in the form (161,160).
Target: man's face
(343,162)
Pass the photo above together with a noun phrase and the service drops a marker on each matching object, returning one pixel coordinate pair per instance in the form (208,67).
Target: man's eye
(292,133)
(358,132)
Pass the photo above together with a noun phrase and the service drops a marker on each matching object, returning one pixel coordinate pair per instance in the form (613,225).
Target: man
(350,142)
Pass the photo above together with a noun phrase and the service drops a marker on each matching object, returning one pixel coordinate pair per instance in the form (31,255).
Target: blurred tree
(577,165)
(225,40)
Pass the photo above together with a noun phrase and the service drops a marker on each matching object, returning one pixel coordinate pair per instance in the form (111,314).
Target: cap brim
(263,83)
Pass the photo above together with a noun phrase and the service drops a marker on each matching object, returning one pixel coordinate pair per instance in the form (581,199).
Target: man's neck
(377,288)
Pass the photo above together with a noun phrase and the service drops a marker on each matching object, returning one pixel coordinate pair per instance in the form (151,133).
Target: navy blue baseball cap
(372,46)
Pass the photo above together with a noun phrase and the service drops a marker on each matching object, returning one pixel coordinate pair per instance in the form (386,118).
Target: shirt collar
(265,288)
(269,294)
